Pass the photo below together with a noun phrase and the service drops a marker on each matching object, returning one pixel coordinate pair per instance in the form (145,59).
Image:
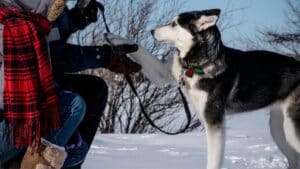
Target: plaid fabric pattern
(30,100)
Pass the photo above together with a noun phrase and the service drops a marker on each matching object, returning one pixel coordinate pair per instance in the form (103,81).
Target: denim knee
(72,112)
(72,105)
(78,107)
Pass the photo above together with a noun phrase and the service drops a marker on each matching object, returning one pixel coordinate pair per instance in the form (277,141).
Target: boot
(33,159)
(54,154)
(44,156)
(77,150)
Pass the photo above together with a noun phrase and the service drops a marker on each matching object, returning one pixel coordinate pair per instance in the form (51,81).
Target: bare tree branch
(134,19)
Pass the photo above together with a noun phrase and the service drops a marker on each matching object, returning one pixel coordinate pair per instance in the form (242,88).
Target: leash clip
(183,80)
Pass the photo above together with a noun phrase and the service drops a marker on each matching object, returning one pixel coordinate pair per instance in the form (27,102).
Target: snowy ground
(248,146)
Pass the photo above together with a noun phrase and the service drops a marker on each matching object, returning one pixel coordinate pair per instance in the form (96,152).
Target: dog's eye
(173,24)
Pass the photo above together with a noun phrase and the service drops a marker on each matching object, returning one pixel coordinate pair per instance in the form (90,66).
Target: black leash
(131,84)
(185,104)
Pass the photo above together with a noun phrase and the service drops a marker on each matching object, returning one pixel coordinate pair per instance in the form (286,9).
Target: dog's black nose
(152,32)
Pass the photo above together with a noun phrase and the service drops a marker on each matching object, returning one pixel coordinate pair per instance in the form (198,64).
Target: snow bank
(248,146)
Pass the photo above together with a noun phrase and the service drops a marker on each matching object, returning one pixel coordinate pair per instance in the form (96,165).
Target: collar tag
(199,71)
(191,72)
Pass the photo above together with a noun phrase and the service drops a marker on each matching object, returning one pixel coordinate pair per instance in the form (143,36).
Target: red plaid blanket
(30,100)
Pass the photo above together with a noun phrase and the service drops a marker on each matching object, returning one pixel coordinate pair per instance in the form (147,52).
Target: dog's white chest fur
(196,96)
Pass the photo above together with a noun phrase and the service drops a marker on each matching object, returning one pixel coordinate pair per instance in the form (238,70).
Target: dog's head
(198,39)
(184,29)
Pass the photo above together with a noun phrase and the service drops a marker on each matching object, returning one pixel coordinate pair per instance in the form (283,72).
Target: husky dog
(218,80)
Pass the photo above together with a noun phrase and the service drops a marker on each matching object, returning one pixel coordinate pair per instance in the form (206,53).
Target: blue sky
(256,14)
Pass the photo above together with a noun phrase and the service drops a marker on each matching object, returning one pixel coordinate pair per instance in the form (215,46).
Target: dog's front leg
(215,135)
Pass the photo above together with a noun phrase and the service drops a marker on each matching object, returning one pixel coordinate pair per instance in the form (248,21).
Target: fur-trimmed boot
(44,156)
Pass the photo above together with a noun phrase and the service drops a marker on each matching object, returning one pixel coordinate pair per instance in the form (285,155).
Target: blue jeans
(72,110)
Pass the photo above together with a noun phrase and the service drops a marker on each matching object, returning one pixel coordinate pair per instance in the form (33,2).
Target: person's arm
(64,25)
(76,19)
(73,58)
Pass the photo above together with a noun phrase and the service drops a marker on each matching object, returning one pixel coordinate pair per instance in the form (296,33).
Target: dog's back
(263,77)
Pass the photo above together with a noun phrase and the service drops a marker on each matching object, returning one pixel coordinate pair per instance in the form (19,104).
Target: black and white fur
(234,81)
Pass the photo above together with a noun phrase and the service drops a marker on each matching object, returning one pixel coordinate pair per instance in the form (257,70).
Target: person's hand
(118,62)
(82,17)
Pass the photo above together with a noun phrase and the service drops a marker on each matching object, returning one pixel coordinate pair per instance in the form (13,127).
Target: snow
(248,146)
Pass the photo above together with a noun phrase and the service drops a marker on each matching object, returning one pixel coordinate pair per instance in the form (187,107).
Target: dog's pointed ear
(207,19)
